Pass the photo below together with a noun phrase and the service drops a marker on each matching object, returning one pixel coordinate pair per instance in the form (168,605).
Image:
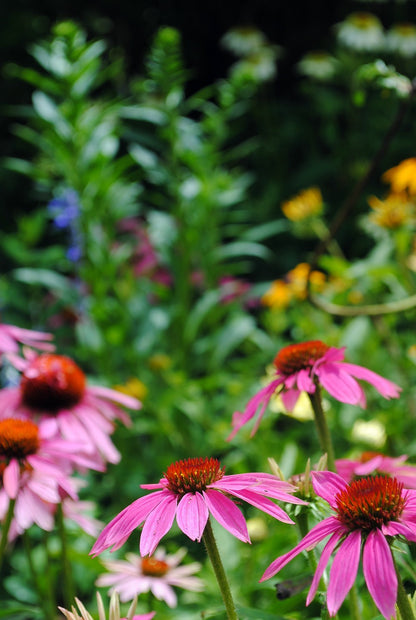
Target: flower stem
(354,603)
(322,427)
(68,584)
(403,603)
(5,530)
(214,556)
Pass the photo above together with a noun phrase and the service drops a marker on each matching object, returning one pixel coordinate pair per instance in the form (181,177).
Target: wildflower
(114,611)
(362,32)
(305,204)
(376,463)
(402,178)
(54,389)
(65,211)
(301,367)
(294,286)
(191,490)
(371,432)
(368,513)
(318,64)
(11,336)
(278,296)
(243,40)
(156,574)
(33,471)
(401,39)
(257,67)
(391,213)
(133,387)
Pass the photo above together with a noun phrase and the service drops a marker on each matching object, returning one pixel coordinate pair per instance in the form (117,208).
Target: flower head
(157,574)
(367,514)
(401,39)
(305,204)
(114,611)
(362,32)
(393,212)
(301,367)
(375,463)
(402,178)
(54,389)
(191,490)
(34,471)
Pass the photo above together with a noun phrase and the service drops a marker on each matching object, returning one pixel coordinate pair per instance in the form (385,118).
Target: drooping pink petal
(379,573)
(327,485)
(323,561)
(261,398)
(386,388)
(290,398)
(264,504)
(317,533)
(157,524)
(343,571)
(192,515)
(227,514)
(114,395)
(341,385)
(11,477)
(304,381)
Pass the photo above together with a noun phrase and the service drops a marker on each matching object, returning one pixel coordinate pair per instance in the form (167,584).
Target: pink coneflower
(31,474)
(54,389)
(369,513)
(191,490)
(375,463)
(300,367)
(156,574)
(11,336)
(114,611)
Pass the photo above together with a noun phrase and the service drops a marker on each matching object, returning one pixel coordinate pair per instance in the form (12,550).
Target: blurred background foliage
(168,175)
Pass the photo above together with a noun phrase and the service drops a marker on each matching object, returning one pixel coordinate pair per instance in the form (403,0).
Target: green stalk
(354,603)
(68,584)
(403,603)
(214,556)
(45,602)
(5,530)
(322,427)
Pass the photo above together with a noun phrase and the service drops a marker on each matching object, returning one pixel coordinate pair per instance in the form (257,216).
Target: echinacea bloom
(191,490)
(376,463)
(156,574)
(11,336)
(368,514)
(54,389)
(300,367)
(33,473)
(114,611)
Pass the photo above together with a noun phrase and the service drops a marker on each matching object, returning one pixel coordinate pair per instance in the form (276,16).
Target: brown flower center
(18,438)
(369,503)
(154,568)
(52,382)
(193,475)
(297,357)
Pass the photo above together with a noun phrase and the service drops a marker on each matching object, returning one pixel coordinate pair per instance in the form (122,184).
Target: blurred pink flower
(156,574)
(368,512)
(300,368)
(31,473)
(374,463)
(54,390)
(11,336)
(191,490)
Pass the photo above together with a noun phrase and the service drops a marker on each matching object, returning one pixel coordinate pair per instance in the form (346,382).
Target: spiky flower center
(154,568)
(193,475)
(369,503)
(18,438)
(52,382)
(299,356)
(368,455)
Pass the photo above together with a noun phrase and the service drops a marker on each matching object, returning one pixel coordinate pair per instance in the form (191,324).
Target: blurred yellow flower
(160,361)
(402,177)
(372,433)
(392,212)
(302,411)
(133,387)
(279,295)
(293,286)
(305,204)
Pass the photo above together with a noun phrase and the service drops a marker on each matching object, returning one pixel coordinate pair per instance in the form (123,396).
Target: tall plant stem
(324,435)
(49,610)
(68,584)
(214,556)
(5,530)
(403,603)
(354,603)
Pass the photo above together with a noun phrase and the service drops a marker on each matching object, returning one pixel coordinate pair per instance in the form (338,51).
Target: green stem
(354,603)
(302,523)
(44,601)
(68,584)
(214,556)
(5,530)
(322,427)
(403,603)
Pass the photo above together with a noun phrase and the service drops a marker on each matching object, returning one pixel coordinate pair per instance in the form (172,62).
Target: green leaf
(44,277)
(144,157)
(236,249)
(142,113)
(49,112)
(268,229)
(231,336)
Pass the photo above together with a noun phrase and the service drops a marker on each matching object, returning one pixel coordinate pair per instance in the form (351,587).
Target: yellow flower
(160,361)
(392,212)
(133,387)
(302,410)
(278,295)
(305,204)
(402,177)
(372,432)
(298,278)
